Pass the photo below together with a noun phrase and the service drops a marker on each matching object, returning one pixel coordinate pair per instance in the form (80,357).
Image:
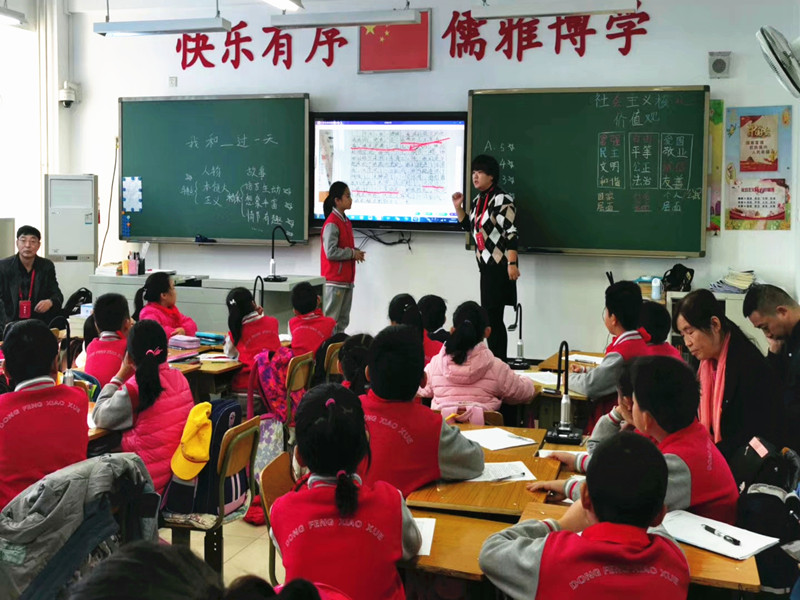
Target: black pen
(510,476)
(724,536)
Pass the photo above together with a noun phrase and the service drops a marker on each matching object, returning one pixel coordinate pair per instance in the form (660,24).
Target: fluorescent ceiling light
(290,5)
(162,27)
(500,9)
(347,19)
(10,17)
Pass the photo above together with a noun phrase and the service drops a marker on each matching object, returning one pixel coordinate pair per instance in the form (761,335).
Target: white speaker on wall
(719,65)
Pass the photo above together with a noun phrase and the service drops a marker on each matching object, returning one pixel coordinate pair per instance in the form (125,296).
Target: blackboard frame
(701,225)
(279,241)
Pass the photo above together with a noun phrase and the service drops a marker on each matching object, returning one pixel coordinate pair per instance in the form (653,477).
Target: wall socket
(173,82)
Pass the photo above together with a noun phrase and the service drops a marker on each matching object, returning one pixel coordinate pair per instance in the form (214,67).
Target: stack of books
(735,282)
(184,342)
(210,339)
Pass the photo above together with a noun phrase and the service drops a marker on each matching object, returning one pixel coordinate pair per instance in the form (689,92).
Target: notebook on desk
(181,355)
(715,536)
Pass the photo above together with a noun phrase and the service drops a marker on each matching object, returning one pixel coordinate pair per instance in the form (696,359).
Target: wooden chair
(238,451)
(298,375)
(332,360)
(277,479)
(492,417)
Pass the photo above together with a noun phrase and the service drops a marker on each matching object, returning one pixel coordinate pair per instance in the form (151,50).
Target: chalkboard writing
(617,170)
(228,168)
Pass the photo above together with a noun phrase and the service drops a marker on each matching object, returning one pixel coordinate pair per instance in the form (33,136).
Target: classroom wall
(562,296)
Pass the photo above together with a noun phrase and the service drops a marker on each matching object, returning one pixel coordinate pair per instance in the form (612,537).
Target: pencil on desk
(450,416)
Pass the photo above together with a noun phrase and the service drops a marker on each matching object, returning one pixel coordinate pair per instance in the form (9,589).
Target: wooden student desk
(493,497)
(551,362)
(705,568)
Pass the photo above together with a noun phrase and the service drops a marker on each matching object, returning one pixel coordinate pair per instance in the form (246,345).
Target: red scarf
(712,389)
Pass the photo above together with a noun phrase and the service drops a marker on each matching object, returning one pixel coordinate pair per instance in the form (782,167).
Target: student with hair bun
(403,310)
(466,377)
(333,529)
(250,331)
(353,357)
(151,407)
(159,292)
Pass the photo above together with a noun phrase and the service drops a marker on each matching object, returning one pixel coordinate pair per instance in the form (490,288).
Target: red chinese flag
(395,47)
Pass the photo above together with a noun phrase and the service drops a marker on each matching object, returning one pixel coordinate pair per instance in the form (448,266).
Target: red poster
(395,47)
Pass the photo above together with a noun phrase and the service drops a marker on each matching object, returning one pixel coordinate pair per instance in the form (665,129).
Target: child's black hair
(353,357)
(147,347)
(434,312)
(155,285)
(111,312)
(396,363)
(470,321)
(403,310)
(304,298)
(30,349)
(252,587)
(240,304)
(320,376)
(655,319)
(627,480)
(666,388)
(487,164)
(89,331)
(332,439)
(336,190)
(624,301)
(624,385)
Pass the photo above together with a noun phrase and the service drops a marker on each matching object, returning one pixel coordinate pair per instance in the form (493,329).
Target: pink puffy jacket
(483,381)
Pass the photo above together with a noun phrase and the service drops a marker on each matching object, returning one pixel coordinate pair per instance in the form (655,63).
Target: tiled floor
(245,550)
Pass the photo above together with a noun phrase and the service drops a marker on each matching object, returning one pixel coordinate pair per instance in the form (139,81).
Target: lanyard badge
(25,305)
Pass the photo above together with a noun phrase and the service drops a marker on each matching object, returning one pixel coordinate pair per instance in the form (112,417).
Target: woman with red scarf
(491,223)
(159,292)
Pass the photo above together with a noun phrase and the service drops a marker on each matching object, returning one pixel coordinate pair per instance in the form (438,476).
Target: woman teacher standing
(491,223)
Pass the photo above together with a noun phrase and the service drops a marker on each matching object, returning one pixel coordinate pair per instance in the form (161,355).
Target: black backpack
(73,304)
(678,279)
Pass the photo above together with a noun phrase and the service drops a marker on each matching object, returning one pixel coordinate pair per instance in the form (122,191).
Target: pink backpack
(268,378)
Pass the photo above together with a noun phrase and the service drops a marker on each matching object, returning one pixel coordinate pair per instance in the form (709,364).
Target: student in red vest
(621,317)
(655,320)
(250,332)
(411,444)
(434,313)
(112,321)
(150,408)
(665,401)
(332,529)
(309,327)
(403,310)
(353,357)
(42,425)
(159,291)
(600,549)
(338,256)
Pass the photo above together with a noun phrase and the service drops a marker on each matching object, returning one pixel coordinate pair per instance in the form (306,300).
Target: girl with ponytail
(466,378)
(160,294)
(148,401)
(338,256)
(403,310)
(250,332)
(332,529)
(353,358)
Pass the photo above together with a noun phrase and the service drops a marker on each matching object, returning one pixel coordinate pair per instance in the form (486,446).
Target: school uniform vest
(104,358)
(156,431)
(630,344)
(357,554)
(714,492)
(664,349)
(609,561)
(338,271)
(257,335)
(430,347)
(310,331)
(42,429)
(404,441)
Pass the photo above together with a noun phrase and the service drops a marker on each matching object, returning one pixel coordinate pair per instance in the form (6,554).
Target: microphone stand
(564,432)
(519,363)
(272,277)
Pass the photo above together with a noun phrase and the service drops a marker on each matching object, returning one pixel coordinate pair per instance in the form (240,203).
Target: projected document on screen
(399,171)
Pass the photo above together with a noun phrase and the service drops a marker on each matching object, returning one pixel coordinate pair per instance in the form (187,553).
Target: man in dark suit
(28,284)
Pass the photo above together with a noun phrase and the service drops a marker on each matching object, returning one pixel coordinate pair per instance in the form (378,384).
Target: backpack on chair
(73,303)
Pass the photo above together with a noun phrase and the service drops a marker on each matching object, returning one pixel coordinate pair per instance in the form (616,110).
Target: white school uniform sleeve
(459,458)
(679,483)
(599,381)
(330,241)
(114,409)
(412,538)
(229,349)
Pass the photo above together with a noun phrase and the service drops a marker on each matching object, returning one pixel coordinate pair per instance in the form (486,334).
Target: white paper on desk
(214,357)
(495,438)
(90,421)
(426,527)
(687,527)
(545,378)
(504,471)
(585,358)
(547,453)
(285,337)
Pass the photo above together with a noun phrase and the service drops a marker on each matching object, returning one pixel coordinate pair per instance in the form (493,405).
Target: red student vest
(609,561)
(630,344)
(338,271)
(404,441)
(257,335)
(714,492)
(357,554)
(104,358)
(310,331)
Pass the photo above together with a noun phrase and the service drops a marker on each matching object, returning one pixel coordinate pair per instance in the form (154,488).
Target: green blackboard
(600,171)
(229,168)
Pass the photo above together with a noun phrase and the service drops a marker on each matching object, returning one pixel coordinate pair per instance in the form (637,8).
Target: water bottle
(655,292)
(69,378)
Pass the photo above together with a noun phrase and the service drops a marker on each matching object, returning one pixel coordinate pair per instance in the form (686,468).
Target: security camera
(67,95)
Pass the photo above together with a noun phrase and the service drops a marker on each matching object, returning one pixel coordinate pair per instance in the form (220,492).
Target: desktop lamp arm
(272,277)
(258,299)
(58,319)
(563,432)
(518,363)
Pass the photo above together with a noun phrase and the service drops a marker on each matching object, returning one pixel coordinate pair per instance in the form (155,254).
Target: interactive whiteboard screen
(402,168)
